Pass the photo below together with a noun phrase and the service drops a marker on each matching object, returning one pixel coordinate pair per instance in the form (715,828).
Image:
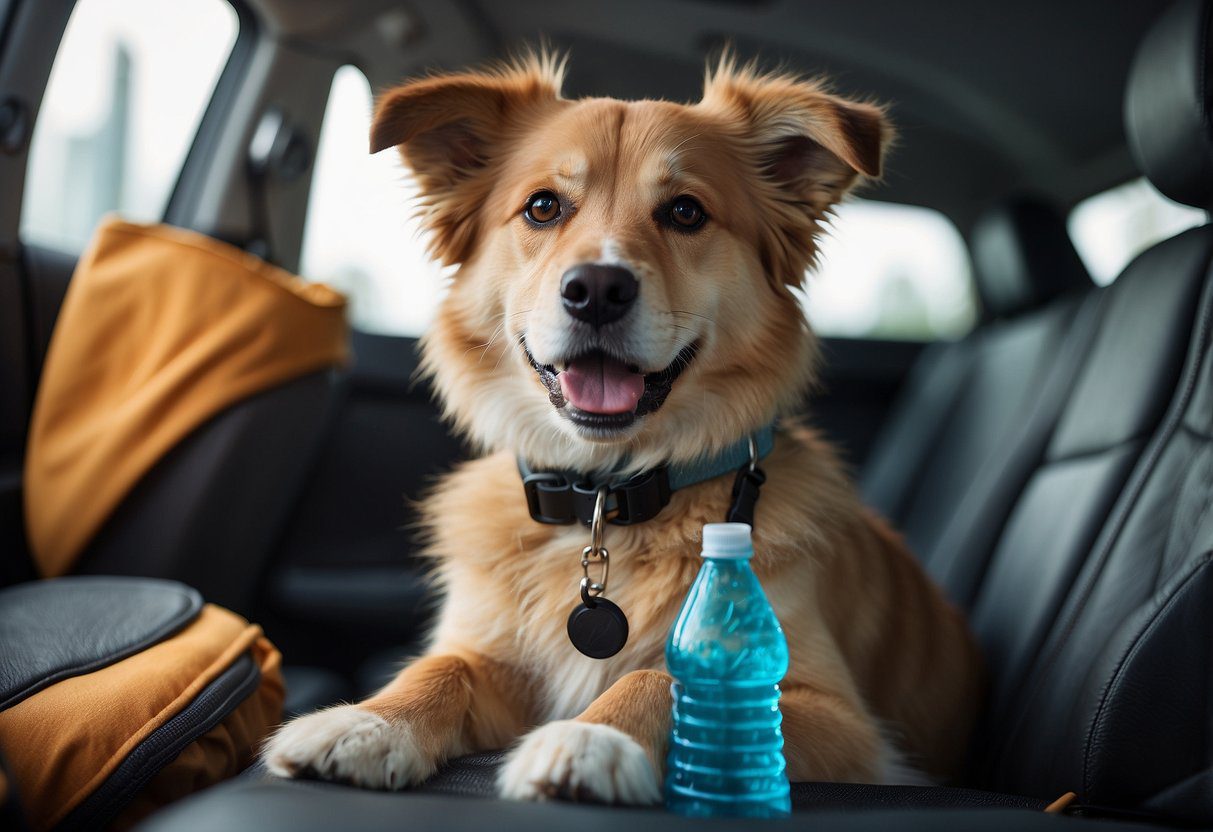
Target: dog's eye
(542,208)
(686,213)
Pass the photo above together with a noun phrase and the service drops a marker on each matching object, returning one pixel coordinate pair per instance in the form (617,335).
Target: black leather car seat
(976,408)
(1102,638)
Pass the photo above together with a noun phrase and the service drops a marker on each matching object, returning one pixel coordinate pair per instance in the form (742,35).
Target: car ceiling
(988,98)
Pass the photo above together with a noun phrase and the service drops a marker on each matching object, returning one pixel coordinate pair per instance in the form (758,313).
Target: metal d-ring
(599,519)
(595,553)
(753,452)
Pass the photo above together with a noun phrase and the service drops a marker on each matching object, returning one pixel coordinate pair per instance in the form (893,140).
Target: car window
(1112,227)
(127,89)
(891,271)
(362,235)
(887,271)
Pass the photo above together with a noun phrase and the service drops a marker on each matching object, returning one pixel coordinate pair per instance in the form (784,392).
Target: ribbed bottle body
(727,654)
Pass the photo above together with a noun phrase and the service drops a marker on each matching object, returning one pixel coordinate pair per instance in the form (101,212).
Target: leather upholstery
(1116,405)
(290,806)
(914,430)
(50,273)
(970,525)
(1095,607)
(1118,701)
(1023,257)
(977,409)
(1169,103)
(476,774)
(53,630)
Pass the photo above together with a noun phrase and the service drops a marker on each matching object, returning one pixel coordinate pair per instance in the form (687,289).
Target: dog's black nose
(598,294)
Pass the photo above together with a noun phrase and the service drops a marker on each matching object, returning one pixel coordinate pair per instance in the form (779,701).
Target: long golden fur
(883,671)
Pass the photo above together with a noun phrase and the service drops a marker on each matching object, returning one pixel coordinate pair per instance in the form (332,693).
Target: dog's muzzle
(597,390)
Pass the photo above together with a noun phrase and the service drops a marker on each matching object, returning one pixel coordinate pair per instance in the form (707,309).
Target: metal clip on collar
(595,553)
(746,489)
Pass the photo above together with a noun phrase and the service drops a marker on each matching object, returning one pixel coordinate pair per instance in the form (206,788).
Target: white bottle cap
(727,540)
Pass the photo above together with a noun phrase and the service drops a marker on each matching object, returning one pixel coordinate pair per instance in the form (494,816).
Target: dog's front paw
(347,744)
(579,761)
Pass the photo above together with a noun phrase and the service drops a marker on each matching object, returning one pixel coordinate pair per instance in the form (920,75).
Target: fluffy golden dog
(623,300)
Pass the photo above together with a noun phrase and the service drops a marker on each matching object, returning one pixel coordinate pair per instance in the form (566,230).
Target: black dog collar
(564,497)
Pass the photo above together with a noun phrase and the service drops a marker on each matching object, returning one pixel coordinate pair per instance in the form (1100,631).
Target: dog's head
(625,267)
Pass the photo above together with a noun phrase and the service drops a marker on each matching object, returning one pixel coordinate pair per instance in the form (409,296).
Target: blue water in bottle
(727,654)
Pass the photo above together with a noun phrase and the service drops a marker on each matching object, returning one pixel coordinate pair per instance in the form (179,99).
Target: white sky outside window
(85,157)
(362,235)
(891,271)
(1111,228)
(886,270)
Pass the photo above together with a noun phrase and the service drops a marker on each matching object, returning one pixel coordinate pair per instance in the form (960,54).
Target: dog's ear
(450,129)
(809,148)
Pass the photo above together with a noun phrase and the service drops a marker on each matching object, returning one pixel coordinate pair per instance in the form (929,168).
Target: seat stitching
(1040,421)
(1199,471)
(1127,658)
(1093,452)
(1129,494)
(1202,73)
(1196,433)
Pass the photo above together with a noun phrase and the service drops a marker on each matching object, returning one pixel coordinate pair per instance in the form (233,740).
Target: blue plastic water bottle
(727,654)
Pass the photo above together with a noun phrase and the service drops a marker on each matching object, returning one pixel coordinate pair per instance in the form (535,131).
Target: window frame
(184,191)
(210,125)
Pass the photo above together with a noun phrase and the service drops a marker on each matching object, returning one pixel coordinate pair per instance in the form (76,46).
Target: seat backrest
(966,400)
(1117,404)
(210,511)
(1101,634)
(44,276)
(1097,610)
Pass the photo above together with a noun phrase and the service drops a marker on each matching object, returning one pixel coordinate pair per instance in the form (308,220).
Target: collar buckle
(549,497)
(562,498)
(635,500)
(553,499)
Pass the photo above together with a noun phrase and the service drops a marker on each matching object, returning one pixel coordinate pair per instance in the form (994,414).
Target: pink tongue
(597,384)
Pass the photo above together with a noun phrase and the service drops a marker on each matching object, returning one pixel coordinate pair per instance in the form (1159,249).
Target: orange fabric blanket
(160,330)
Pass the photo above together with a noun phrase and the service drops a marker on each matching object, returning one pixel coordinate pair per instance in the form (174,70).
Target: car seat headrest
(1023,257)
(1167,104)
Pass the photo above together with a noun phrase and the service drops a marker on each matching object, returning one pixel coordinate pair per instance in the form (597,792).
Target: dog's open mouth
(597,390)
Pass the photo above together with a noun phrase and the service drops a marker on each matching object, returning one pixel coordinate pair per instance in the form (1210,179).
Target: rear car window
(126,93)
(1112,227)
(362,235)
(885,271)
(891,271)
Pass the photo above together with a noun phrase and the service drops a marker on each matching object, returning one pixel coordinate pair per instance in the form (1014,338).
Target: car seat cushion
(128,732)
(160,330)
(89,632)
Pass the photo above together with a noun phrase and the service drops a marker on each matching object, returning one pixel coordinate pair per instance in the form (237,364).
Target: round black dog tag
(599,629)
